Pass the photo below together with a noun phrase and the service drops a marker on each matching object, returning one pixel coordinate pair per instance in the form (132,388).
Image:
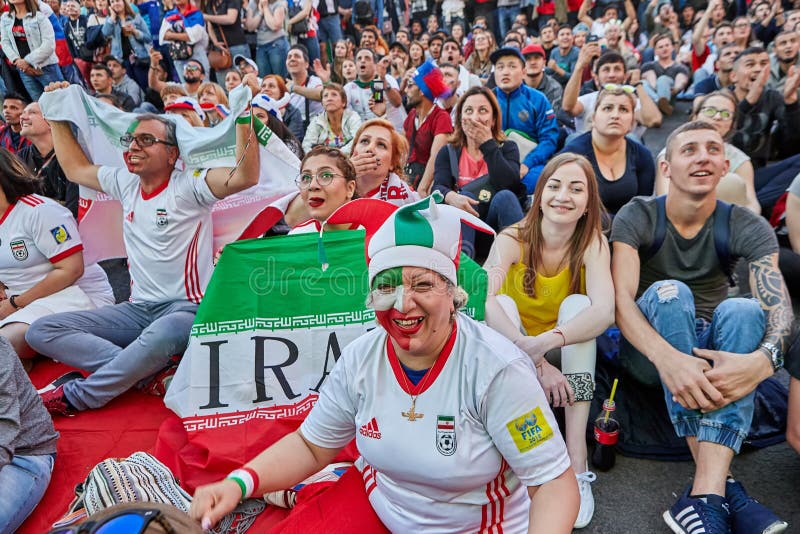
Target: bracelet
(12,301)
(246,119)
(246,479)
(560,333)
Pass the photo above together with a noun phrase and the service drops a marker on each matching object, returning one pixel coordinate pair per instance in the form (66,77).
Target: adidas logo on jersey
(370,430)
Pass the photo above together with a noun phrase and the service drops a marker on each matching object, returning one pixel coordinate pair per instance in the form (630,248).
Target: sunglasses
(143,140)
(127,522)
(616,87)
(711,112)
(324,178)
(191,67)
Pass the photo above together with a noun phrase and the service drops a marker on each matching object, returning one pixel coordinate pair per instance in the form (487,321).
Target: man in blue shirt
(524,109)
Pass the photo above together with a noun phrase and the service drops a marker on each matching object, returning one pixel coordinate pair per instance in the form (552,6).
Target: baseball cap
(505,51)
(238,58)
(533,49)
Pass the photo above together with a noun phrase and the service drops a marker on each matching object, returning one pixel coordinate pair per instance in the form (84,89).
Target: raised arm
(699,32)
(76,166)
(224,181)
(683,374)
(570,102)
(583,13)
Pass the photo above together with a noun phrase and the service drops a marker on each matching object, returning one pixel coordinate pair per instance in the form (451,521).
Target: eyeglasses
(127,522)
(324,178)
(710,112)
(143,140)
(616,87)
(741,25)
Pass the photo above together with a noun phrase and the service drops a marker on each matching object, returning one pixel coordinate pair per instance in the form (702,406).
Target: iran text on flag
(267,334)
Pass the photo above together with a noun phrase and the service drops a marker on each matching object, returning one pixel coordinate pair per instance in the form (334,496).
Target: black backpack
(722,235)
(363,12)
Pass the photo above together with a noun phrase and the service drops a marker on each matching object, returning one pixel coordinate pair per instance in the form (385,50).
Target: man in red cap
(536,78)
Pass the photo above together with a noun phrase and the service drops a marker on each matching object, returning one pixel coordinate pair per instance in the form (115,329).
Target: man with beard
(10,136)
(535,76)
(194,74)
(760,107)
(450,75)
(783,57)
(724,66)
(167,208)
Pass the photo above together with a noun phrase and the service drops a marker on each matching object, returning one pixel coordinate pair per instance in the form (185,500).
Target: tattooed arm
(736,375)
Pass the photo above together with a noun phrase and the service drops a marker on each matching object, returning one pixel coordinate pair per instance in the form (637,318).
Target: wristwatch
(774,354)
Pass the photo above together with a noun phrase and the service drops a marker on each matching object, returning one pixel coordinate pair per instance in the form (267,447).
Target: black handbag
(480,188)
(94,37)
(299,28)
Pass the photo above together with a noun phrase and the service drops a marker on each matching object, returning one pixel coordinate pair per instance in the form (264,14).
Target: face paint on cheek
(384,301)
(398,336)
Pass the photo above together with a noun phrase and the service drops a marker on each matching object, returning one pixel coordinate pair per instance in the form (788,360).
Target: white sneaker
(587,499)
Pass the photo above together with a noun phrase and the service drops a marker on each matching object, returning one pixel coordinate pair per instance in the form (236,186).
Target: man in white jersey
(168,238)
(454,431)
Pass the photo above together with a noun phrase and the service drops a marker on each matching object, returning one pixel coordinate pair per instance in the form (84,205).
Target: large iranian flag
(267,334)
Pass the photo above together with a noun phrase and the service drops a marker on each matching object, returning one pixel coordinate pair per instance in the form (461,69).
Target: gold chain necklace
(412,415)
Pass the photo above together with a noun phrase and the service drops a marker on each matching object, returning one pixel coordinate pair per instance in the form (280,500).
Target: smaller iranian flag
(445,422)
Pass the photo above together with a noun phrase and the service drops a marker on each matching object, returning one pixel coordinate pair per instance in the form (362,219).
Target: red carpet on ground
(126,425)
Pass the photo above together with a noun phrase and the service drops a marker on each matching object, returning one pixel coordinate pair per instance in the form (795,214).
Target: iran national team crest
(446,434)
(19,250)
(161,217)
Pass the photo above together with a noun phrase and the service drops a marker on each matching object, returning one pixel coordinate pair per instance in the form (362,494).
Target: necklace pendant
(412,415)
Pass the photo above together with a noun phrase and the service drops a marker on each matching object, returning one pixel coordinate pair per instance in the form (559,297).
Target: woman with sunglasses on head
(720,110)
(624,168)
(130,38)
(550,292)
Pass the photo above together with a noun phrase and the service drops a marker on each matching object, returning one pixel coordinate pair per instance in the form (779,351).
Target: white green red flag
(268,332)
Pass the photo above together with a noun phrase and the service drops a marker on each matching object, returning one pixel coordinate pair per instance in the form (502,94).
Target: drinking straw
(611,398)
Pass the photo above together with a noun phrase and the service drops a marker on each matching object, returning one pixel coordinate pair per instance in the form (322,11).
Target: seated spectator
(541,295)
(478,150)
(723,66)
(563,57)
(30,45)
(427,125)
(736,187)
(43,259)
(536,78)
(337,125)
(704,53)
(448,103)
(274,87)
(609,68)
(214,103)
(172,91)
(126,343)
(624,168)
(615,42)
(268,112)
(416,54)
(246,66)
(130,38)
(360,91)
(664,78)
(708,352)
(526,110)
(760,107)
(40,158)
(183,32)
(103,84)
(232,79)
(11,137)
(27,442)
(399,62)
(783,57)
(451,53)
(378,154)
(305,89)
(743,32)
(188,108)
(610,16)
(767,20)
(478,62)
(123,83)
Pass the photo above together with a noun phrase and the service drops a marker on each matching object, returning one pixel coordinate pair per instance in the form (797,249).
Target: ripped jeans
(737,326)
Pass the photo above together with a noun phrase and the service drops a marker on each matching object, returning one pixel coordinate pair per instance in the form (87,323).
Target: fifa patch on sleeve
(60,234)
(530,430)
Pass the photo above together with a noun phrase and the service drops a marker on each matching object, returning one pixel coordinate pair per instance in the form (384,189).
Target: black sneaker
(748,515)
(60,381)
(696,515)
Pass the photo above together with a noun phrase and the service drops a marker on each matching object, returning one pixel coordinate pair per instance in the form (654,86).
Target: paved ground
(632,496)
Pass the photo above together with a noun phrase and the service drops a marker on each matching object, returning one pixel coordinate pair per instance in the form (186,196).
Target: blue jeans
(23,484)
(505,18)
(737,326)
(271,57)
(330,29)
(504,210)
(120,345)
(312,45)
(35,84)
(663,88)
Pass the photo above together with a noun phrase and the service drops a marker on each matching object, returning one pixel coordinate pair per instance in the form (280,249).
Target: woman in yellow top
(550,288)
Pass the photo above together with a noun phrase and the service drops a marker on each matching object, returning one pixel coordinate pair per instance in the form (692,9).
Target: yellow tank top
(540,313)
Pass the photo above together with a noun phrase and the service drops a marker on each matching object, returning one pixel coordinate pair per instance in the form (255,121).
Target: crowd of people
(524,121)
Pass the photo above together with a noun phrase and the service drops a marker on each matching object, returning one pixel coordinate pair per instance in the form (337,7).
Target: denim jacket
(41,39)
(140,37)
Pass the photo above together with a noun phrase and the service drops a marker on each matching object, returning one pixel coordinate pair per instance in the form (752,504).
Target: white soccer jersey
(35,233)
(486,432)
(395,191)
(167,233)
(299,101)
(358,100)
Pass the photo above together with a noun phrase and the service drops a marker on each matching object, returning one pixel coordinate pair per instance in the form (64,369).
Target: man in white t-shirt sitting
(168,237)
(373,81)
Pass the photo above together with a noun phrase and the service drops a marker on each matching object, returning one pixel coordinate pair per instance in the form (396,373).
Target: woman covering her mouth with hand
(431,392)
